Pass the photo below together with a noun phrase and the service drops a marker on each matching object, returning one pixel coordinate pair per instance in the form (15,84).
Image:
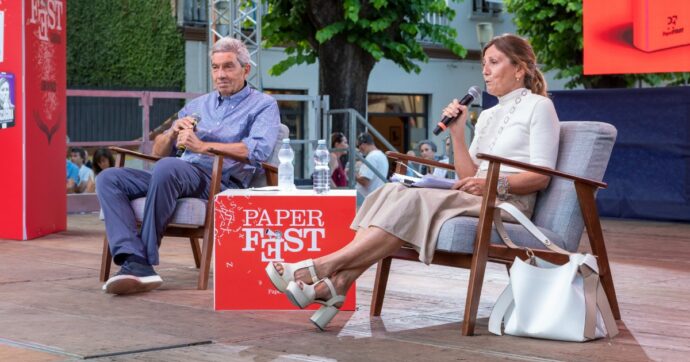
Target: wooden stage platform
(52,309)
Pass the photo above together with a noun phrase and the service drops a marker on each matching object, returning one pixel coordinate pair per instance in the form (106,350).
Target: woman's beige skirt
(415,215)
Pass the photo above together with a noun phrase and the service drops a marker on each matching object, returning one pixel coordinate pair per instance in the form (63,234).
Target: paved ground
(52,309)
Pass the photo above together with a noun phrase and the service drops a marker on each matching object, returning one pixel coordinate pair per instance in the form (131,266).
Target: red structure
(253,228)
(32,117)
(636,36)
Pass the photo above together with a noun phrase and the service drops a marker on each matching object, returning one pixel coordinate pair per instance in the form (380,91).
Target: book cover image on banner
(6,100)
(2,36)
(636,36)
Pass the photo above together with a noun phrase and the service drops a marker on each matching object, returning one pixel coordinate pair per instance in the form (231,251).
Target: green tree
(349,36)
(123,44)
(554,28)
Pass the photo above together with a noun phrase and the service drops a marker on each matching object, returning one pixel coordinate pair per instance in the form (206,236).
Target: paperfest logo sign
(47,15)
(672,26)
(274,232)
(277,231)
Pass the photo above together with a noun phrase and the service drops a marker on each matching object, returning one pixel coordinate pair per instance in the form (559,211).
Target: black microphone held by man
(472,94)
(181,148)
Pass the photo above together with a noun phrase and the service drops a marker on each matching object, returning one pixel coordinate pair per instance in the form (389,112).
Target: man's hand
(186,137)
(182,124)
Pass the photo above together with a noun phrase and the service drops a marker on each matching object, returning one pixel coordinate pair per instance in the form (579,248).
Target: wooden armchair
(561,212)
(193,217)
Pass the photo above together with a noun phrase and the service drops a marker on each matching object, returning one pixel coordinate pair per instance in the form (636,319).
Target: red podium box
(660,24)
(253,228)
(33,117)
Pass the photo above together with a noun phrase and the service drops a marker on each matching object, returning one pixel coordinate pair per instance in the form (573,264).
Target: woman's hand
(470,185)
(454,109)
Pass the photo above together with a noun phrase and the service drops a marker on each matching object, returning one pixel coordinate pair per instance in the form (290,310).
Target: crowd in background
(366,180)
(82,172)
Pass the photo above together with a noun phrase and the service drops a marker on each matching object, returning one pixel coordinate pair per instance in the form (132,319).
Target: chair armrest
(269,168)
(401,156)
(540,170)
(271,174)
(136,154)
(228,155)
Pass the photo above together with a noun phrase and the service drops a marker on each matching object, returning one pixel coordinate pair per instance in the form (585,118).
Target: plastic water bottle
(286,171)
(321,171)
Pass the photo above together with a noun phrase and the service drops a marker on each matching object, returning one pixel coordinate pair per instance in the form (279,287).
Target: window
(401,118)
(492,7)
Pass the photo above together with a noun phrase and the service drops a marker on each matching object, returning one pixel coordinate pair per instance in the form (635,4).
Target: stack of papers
(428,181)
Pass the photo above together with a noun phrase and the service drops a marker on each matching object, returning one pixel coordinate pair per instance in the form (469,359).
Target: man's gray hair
(227,44)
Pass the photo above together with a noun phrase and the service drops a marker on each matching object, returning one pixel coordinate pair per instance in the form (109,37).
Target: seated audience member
(235,119)
(72,177)
(395,214)
(412,167)
(427,150)
(367,181)
(442,172)
(338,175)
(86,179)
(101,160)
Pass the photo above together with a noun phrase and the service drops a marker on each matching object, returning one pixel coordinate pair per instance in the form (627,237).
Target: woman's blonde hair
(520,52)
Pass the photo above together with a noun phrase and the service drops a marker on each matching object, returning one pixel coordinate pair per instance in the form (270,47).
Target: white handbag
(560,302)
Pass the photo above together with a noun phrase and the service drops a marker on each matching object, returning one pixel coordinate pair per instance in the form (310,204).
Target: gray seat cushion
(189,211)
(584,150)
(457,235)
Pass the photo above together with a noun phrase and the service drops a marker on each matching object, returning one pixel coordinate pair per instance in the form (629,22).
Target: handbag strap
(596,298)
(526,223)
(504,302)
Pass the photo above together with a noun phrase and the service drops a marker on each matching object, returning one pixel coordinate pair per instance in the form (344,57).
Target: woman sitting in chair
(523,126)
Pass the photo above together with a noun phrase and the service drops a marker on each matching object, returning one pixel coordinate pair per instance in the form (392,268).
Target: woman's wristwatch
(503,188)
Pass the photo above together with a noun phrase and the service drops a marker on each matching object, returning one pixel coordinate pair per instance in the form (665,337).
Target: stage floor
(52,309)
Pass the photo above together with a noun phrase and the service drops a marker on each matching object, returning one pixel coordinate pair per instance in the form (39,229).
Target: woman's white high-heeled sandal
(324,315)
(303,297)
(280,281)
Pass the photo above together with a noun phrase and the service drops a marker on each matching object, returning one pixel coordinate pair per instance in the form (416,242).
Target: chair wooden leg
(481,251)
(474,287)
(196,251)
(380,283)
(206,253)
(106,261)
(590,214)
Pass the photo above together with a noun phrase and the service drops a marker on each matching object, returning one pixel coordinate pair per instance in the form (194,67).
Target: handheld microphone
(181,148)
(472,94)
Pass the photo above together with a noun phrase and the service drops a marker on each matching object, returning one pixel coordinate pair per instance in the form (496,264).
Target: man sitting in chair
(234,119)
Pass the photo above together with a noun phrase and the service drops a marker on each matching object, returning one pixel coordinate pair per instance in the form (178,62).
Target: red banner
(46,116)
(11,162)
(252,230)
(33,54)
(636,36)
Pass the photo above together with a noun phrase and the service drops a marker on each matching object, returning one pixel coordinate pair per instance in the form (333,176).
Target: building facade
(404,107)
